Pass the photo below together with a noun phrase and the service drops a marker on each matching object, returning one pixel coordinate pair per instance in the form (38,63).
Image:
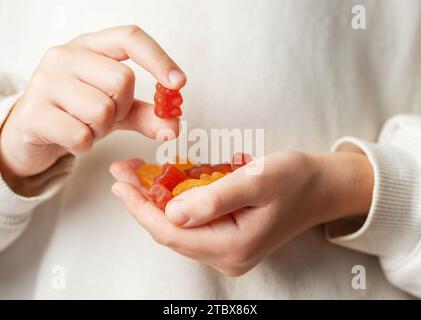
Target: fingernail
(175,77)
(176,211)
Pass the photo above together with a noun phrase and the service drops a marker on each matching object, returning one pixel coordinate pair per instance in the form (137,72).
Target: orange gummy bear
(205,176)
(183,164)
(213,177)
(217,175)
(189,184)
(148,172)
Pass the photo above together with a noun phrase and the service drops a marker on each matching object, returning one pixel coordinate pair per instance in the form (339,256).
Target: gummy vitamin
(167,102)
(147,173)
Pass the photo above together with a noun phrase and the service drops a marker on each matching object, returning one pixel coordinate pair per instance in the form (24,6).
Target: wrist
(14,181)
(345,185)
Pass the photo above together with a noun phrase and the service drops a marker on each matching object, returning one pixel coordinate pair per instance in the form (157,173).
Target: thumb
(201,205)
(142,118)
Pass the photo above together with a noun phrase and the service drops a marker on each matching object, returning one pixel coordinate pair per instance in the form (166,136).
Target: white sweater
(302,73)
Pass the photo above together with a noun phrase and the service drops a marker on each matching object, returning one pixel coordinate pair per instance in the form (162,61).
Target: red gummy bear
(170,177)
(239,160)
(223,168)
(167,102)
(159,195)
(196,172)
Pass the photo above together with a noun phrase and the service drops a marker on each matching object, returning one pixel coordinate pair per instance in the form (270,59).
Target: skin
(79,93)
(231,224)
(234,223)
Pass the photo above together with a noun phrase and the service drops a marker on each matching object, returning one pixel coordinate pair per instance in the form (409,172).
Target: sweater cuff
(393,224)
(11,228)
(13,204)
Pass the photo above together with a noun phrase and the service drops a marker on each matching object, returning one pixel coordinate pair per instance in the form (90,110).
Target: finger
(125,171)
(113,78)
(59,127)
(131,42)
(201,205)
(134,163)
(161,229)
(90,105)
(142,118)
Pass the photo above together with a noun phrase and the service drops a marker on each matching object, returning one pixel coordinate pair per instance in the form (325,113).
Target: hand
(237,221)
(79,93)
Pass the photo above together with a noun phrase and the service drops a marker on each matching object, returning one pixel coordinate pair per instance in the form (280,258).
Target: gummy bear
(183,164)
(205,176)
(147,173)
(224,168)
(213,177)
(239,160)
(189,184)
(159,195)
(197,171)
(167,102)
(170,177)
(217,175)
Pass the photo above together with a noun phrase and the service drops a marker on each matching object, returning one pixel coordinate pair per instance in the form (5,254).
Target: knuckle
(296,159)
(80,39)
(55,53)
(38,83)
(104,114)
(82,139)
(124,78)
(132,29)
(54,58)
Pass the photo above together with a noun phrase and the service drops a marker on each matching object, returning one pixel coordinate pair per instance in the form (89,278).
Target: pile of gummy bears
(168,181)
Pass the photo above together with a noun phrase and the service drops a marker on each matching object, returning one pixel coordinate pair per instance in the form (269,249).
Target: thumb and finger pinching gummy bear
(170,180)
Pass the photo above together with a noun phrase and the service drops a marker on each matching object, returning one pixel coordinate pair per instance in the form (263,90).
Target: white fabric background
(295,68)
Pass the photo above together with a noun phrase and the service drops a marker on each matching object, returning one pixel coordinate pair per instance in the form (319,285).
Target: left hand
(235,222)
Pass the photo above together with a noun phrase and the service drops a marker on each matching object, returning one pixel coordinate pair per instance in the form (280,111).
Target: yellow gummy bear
(217,175)
(147,173)
(183,164)
(205,176)
(189,184)
(213,177)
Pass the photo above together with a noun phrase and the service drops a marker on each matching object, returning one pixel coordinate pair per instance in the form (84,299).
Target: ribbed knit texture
(392,229)
(393,225)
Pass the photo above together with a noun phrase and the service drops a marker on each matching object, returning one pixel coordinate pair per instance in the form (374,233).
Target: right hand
(79,93)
